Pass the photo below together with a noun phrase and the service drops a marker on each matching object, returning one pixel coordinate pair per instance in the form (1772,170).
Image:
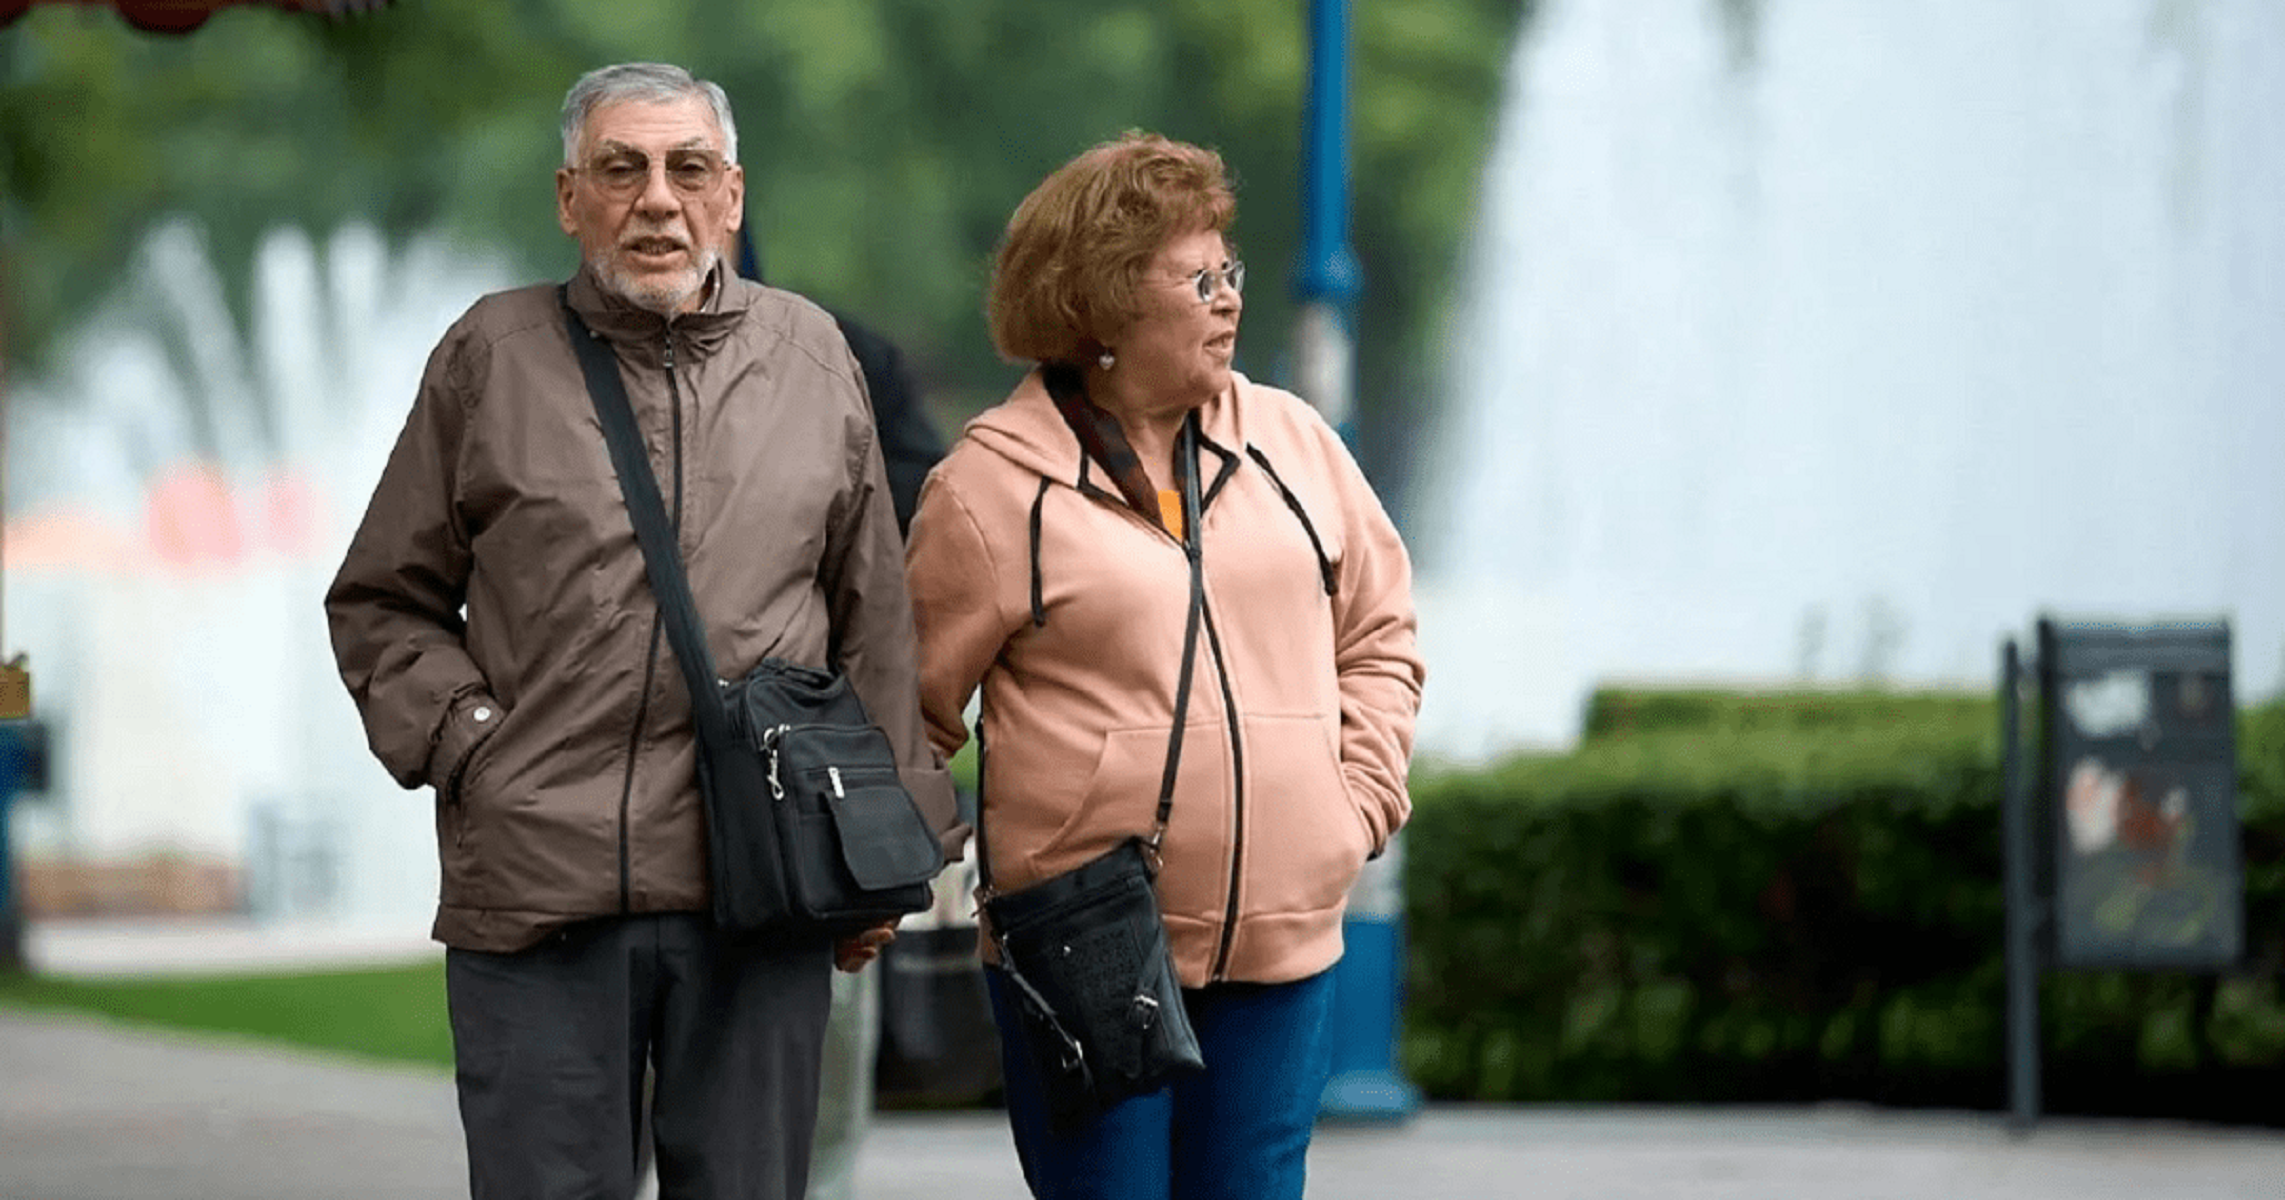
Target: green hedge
(1770,898)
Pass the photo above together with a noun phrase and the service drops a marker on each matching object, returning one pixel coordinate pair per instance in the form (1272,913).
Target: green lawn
(395,1013)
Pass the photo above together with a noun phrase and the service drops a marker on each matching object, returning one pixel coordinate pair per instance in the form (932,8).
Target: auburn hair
(1069,267)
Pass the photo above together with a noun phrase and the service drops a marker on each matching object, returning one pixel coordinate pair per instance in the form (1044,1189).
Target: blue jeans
(1239,1129)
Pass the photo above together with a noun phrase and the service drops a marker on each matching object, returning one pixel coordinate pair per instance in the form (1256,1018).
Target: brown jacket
(551,718)
(1032,579)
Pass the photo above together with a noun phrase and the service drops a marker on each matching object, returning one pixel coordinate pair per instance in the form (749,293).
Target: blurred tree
(885,143)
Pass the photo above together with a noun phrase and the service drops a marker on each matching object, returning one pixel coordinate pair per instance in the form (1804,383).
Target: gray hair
(655,83)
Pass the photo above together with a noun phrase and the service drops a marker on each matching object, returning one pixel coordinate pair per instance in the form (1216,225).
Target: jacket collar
(641,333)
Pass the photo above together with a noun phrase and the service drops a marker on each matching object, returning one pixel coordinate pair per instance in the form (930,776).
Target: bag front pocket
(850,811)
(884,841)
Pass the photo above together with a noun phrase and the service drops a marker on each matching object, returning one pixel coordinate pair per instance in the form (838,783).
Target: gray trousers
(551,1045)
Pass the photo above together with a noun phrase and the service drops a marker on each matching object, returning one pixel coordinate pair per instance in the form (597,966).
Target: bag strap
(1074,1055)
(1193,543)
(648,513)
(1193,546)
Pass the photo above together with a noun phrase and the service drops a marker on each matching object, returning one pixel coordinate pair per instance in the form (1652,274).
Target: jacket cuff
(1369,813)
(467,724)
(933,794)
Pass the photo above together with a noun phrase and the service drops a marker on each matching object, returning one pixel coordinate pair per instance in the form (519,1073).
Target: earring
(1106,359)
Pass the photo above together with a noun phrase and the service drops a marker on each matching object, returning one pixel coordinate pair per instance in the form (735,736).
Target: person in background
(494,624)
(910,446)
(1048,567)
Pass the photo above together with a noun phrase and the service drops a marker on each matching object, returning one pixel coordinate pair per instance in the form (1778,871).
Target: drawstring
(1324,565)
(1038,599)
(1325,569)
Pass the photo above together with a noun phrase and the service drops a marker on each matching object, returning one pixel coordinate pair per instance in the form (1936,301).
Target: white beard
(662,296)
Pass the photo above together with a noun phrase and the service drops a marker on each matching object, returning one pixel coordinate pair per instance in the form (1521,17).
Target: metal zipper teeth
(651,661)
(634,746)
(1237,797)
(642,703)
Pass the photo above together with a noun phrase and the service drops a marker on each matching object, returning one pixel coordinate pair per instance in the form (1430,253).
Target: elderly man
(494,624)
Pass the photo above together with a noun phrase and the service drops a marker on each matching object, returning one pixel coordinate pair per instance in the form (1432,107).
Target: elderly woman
(1050,564)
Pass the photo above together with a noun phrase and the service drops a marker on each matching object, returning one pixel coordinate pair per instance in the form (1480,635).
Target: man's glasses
(1206,281)
(620,174)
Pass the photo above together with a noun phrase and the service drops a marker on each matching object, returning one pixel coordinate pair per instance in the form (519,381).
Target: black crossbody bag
(1086,951)
(809,830)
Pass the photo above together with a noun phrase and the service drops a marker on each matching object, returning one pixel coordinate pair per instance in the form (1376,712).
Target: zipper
(772,745)
(1221,970)
(651,659)
(634,746)
(674,395)
(1237,799)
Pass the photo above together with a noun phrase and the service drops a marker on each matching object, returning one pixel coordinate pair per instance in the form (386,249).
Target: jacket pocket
(1305,839)
(465,778)
(463,798)
(1120,800)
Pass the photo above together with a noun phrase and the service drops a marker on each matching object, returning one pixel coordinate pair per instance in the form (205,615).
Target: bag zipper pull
(834,774)
(770,743)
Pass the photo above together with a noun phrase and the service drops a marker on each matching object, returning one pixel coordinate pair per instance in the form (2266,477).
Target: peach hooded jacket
(1032,579)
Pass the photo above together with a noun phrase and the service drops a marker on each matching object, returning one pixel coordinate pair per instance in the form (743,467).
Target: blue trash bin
(15,767)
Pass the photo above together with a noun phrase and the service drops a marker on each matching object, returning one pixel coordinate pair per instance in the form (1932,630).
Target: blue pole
(1368,983)
(1327,279)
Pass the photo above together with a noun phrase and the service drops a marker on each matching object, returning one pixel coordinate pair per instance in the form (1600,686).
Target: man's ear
(737,182)
(563,182)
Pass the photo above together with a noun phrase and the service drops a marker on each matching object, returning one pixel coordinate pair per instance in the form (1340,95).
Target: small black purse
(809,830)
(1086,952)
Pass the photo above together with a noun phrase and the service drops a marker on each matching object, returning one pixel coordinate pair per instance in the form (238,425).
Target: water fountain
(1816,341)
(180,491)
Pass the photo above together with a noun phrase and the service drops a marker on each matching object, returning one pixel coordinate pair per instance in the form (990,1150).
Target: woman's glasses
(1206,281)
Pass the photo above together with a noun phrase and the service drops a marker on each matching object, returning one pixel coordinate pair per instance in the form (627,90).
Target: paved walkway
(96,1111)
(91,1110)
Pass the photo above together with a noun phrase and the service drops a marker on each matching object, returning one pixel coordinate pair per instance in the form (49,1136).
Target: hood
(1028,431)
